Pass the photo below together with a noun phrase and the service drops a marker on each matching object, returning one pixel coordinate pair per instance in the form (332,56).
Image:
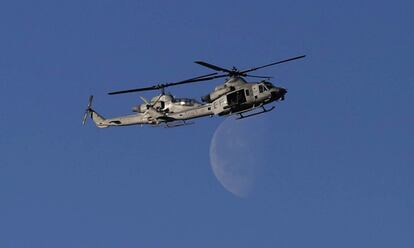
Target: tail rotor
(88,110)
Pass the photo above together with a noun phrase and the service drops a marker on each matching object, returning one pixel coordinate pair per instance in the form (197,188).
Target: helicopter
(235,96)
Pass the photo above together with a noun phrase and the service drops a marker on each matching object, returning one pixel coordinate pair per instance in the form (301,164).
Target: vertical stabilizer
(97,118)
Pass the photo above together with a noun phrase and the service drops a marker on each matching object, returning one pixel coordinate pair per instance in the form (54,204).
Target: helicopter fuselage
(164,108)
(236,95)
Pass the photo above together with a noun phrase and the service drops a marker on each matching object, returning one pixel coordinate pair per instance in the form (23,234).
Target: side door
(255,89)
(249,94)
(220,105)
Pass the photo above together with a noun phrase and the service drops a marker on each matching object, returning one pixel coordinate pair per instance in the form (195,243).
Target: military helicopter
(235,96)
(155,112)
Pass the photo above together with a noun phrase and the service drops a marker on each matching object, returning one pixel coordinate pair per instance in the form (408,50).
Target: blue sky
(339,167)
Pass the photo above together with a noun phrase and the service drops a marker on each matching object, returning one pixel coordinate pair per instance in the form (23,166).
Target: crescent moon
(233,157)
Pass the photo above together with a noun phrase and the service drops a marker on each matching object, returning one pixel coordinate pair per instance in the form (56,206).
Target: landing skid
(264,110)
(177,124)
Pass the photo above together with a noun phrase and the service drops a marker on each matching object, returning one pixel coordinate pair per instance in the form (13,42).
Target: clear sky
(339,156)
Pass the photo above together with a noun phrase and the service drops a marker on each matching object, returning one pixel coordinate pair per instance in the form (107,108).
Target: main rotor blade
(196,80)
(275,63)
(159,97)
(144,100)
(161,86)
(155,87)
(254,76)
(214,67)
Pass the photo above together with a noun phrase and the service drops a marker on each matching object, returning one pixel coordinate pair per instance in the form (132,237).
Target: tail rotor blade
(88,110)
(85,116)
(90,101)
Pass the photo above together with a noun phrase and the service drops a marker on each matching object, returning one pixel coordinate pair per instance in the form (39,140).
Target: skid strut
(264,110)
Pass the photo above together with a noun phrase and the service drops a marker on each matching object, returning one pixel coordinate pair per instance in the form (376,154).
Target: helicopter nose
(279,94)
(283,92)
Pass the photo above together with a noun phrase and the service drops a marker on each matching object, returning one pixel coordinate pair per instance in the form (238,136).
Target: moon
(236,156)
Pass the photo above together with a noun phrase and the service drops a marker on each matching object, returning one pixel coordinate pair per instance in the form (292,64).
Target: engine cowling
(218,92)
(141,108)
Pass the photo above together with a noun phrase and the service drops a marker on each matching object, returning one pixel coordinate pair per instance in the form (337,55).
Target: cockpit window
(185,101)
(268,85)
(262,88)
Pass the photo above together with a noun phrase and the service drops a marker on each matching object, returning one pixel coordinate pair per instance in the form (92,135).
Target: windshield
(269,85)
